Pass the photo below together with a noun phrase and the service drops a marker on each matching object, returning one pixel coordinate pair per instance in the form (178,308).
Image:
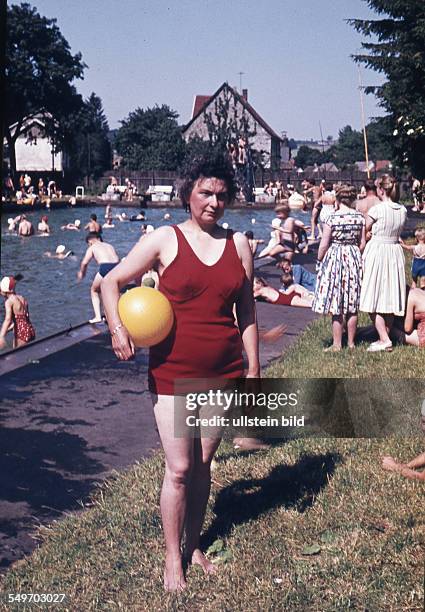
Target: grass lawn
(312,524)
(309,525)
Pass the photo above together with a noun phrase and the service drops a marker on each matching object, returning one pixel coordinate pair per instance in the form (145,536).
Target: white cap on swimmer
(77,223)
(224,225)
(149,229)
(60,249)
(7,284)
(10,220)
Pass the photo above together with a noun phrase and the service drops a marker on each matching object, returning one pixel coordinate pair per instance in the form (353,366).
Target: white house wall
(36,156)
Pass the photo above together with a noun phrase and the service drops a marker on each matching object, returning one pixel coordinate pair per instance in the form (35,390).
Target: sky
(294,55)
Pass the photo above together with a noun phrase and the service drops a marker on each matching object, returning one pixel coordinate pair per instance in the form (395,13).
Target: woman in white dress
(383,293)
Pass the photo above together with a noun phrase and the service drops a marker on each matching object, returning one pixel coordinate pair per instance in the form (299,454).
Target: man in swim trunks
(106,256)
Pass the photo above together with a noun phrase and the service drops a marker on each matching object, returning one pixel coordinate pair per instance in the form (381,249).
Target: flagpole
(364,124)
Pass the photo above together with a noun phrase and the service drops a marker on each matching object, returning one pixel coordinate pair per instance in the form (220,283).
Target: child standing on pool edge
(17,315)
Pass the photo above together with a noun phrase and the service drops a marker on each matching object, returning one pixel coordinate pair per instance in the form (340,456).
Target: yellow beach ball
(146,314)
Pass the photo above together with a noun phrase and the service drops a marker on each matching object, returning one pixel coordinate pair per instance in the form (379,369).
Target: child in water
(17,315)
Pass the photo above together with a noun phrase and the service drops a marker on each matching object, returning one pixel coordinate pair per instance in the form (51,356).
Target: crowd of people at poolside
(347,223)
(27,192)
(360,266)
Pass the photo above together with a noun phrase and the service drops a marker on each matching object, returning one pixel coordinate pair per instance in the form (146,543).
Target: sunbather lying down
(295,295)
(409,470)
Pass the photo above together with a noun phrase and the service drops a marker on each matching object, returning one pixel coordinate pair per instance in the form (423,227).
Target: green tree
(348,149)
(307,156)
(40,69)
(151,139)
(398,52)
(90,147)
(380,139)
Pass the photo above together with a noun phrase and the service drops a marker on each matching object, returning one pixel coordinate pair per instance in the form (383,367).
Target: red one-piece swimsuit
(23,328)
(205,341)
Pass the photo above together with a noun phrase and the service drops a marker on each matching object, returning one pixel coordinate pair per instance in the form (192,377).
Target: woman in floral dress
(340,275)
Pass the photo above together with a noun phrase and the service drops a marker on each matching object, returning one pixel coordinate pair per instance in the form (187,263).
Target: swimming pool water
(56,299)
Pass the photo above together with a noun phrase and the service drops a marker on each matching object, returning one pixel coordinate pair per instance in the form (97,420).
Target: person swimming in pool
(106,257)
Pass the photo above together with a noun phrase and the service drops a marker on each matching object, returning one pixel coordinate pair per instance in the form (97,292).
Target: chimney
(245,94)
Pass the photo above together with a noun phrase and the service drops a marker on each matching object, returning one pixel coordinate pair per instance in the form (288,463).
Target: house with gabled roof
(34,150)
(262,137)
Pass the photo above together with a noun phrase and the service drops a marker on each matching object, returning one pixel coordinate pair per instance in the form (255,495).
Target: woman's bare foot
(173,574)
(198,558)
(388,463)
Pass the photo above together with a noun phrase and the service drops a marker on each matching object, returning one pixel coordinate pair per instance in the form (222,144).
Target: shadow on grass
(40,478)
(294,486)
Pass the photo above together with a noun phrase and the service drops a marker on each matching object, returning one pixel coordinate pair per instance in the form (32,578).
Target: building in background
(228,101)
(35,151)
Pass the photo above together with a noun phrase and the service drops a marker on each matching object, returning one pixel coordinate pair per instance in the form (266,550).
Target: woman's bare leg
(174,493)
(381,323)
(351,329)
(337,329)
(95,299)
(199,493)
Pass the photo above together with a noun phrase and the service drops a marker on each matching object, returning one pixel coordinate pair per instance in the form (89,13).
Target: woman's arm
(8,320)
(369,222)
(407,247)
(410,308)
(325,242)
(362,243)
(142,257)
(245,309)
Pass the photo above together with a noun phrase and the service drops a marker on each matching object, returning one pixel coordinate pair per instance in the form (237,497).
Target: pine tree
(398,52)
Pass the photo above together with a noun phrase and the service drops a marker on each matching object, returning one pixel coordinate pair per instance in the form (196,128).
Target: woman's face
(208,199)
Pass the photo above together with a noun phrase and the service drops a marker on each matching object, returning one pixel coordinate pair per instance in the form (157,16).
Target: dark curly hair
(211,165)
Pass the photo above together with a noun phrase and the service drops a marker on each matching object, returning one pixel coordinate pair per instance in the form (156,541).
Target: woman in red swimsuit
(294,296)
(17,315)
(204,270)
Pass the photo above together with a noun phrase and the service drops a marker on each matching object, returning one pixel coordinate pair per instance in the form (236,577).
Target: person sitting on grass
(295,296)
(418,252)
(415,311)
(408,470)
